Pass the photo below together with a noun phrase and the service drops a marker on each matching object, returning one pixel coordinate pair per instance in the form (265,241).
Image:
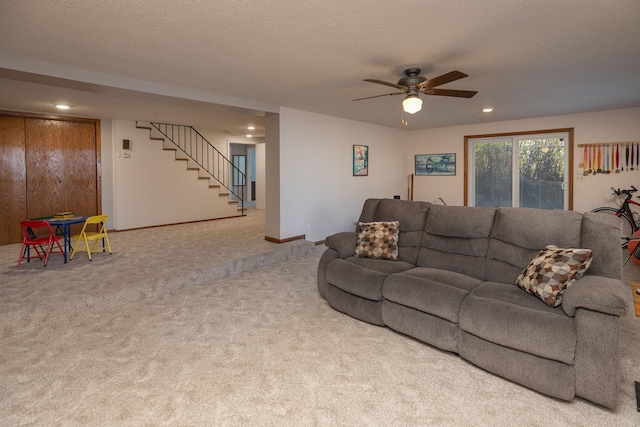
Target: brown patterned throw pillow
(552,271)
(378,240)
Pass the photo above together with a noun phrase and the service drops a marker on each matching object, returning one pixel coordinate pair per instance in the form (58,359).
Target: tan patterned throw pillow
(378,240)
(552,271)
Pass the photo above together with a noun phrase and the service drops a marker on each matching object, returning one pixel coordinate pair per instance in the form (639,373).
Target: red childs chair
(46,239)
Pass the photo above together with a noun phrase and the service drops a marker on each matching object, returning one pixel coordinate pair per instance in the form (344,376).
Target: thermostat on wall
(126,144)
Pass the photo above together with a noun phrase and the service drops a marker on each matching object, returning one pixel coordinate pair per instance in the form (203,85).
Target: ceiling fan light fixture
(412,104)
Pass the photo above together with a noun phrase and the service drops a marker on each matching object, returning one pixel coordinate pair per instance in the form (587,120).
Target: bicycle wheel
(627,227)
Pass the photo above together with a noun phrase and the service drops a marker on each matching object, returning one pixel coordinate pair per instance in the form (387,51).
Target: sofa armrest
(344,243)
(597,293)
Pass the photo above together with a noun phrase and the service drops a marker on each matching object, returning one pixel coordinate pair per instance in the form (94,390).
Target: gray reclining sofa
(453,286)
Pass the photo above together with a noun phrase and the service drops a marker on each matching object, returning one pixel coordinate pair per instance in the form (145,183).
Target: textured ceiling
(148,59)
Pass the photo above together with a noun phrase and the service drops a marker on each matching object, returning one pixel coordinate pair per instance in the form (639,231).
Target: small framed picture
(360,160)
(436,164)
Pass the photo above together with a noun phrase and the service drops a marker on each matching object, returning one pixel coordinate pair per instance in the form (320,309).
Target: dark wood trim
(98,167)
(48,117)
(465,200)
(175,223)
(288,239)
(319,242)
(528,132)
(570,131)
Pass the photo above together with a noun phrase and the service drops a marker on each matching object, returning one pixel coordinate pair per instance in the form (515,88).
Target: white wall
(589,128)
(319,195)
(261,176)
(107,166)
(272,171)
(152,188)
(219,139)
(308,187)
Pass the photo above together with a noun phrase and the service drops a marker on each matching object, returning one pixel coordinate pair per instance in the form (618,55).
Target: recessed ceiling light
(251,127)
(487,110)
(249,136)
(62,106)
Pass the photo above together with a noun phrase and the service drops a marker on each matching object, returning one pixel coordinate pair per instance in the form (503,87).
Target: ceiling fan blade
(440,80)
(451,92)
(378,96)
(382,82)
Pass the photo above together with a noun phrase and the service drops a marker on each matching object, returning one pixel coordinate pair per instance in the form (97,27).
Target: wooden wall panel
(12,179)
(61,167)
(45,168)
(81,189)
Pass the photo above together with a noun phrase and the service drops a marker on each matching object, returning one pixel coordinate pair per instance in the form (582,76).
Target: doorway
(243,157)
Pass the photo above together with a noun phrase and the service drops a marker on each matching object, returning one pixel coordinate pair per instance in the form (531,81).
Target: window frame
(568,131)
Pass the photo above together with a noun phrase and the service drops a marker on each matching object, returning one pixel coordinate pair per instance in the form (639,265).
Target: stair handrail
(199,152)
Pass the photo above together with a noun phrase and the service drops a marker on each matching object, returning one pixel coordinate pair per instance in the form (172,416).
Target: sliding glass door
(519,170)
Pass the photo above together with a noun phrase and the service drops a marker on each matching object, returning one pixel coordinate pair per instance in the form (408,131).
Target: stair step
(179,154)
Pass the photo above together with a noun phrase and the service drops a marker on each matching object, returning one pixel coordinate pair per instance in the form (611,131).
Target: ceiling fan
(413,84)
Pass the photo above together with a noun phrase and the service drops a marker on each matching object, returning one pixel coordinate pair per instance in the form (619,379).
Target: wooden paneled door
(12,179)
(55,168)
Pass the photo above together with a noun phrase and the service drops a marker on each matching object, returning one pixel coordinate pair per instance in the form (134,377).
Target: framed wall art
(360,160)
(436,164)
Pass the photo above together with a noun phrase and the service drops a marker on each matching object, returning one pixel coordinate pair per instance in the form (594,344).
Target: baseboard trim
(175,223)
(288,239)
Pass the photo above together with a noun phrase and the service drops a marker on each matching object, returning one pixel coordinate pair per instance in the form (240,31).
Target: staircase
(199,154)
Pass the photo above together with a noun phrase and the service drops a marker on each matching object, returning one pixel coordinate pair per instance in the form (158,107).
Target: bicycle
(624,212)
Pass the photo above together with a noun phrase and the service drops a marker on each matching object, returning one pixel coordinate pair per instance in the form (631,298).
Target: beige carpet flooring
(209,325)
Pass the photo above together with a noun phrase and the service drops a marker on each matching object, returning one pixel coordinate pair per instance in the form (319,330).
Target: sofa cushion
(378,240)
(456,238)
(412,217)
(552,271)
(363,276)
(360,308)
(369,209)
(519,233)
(600,234)
(502,314)
(597,293)
(342,242)
(433,291)
(422,326)
(539,373)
